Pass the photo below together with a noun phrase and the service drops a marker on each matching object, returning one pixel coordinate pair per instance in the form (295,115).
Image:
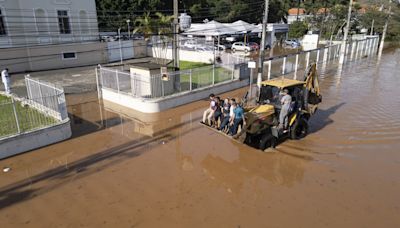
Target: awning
(212,28)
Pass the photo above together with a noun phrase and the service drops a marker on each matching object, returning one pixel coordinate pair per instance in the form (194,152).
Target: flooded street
(126,169)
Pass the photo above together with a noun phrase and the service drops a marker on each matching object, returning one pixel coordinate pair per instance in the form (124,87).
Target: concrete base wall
(158,105)
(32,140)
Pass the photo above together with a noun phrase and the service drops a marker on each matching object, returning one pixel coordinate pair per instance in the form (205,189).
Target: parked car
(226,44)
(220,47)
(191,44)
(292,42)
(204,48)
(240,46)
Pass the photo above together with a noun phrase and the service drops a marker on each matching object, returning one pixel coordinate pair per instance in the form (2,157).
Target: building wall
(51,56)
(32,22)
(47,57)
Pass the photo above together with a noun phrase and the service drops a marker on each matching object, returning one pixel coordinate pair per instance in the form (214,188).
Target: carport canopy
(212,28)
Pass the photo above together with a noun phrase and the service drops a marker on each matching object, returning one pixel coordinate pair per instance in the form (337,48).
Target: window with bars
(3,30)
(63,22)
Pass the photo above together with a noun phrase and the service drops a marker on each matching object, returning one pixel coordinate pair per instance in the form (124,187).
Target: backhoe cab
(261,130)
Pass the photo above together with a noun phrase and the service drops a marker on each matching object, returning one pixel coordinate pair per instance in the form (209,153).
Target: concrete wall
(30,22)
(158,105)
(32,140)
(185,55)
(51,56)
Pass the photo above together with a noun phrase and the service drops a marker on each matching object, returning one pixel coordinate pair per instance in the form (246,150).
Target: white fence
(230,69)
(158,86)
(296,63)
(44,107)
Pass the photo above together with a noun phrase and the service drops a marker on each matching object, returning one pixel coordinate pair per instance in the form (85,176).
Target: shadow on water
(22,190)
(321,119)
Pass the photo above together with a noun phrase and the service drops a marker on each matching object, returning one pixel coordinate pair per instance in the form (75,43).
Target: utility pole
(384,31)
(263,43)
(175,36)
(346,33)
(298,9)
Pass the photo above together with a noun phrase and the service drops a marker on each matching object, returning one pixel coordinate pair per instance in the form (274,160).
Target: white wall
(184,55)
(32,140)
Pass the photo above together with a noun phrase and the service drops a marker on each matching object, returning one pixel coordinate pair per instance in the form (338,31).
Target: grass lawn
(202,74)
(28,118)
(185,65)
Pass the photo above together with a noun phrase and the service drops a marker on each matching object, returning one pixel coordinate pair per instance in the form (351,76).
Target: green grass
(185,65)
(28,118)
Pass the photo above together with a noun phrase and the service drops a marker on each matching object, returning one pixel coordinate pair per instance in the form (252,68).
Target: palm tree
(158,30)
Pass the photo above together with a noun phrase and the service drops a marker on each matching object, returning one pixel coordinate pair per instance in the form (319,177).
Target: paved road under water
(165,170)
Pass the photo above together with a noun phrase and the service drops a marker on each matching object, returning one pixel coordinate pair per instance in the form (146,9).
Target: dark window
(63,22)
(69,55)
(2,24)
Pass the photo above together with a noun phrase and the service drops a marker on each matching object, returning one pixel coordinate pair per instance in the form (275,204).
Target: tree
(158,29)
(297,29)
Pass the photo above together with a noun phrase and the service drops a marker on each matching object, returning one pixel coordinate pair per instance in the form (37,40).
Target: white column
(296,66)
(269,69)
(284,65)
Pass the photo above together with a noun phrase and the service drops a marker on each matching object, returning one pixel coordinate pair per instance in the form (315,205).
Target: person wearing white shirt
(5,78)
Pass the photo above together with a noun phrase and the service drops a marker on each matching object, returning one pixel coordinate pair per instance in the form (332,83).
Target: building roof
(322,10)
(282,82)
(293,11)
(212,28)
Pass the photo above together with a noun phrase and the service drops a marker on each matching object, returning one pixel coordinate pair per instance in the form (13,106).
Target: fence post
(307,59)
(213,75)
(296,66)
(190,80)
(357,50)
(40,94)
(15,115)
(318,53)
(116,74)
(233,71)
(269,68)
(284,65)
(97,83)
(352,50)
(162,88)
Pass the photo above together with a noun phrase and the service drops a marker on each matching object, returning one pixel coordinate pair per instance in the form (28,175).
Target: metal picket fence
(158,86)
(296,63)
(45,106)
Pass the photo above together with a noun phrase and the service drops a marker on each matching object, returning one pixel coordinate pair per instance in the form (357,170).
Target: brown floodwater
(126,169)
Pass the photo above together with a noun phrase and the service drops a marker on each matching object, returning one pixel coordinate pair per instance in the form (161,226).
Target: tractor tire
(245,50)
(299,129)
(233,50)
(267,141)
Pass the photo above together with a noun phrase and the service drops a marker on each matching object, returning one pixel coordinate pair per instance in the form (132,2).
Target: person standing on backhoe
(286,100)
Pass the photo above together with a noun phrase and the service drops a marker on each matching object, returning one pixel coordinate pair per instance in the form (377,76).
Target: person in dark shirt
(225,113)
(237,119)
(218,112)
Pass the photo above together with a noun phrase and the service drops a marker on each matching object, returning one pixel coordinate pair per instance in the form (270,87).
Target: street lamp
(129,28)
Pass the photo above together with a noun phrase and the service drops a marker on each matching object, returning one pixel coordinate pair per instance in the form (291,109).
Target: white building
(35,22)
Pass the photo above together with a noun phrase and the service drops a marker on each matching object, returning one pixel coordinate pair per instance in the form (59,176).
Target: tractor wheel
(299,129)
(267,141)
(233,50)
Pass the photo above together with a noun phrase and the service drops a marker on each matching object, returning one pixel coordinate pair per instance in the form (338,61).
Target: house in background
(295,14)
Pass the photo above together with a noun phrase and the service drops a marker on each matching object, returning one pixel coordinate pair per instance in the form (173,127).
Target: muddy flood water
(125,169)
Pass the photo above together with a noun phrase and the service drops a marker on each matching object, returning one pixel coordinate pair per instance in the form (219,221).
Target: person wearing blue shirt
(237,119)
